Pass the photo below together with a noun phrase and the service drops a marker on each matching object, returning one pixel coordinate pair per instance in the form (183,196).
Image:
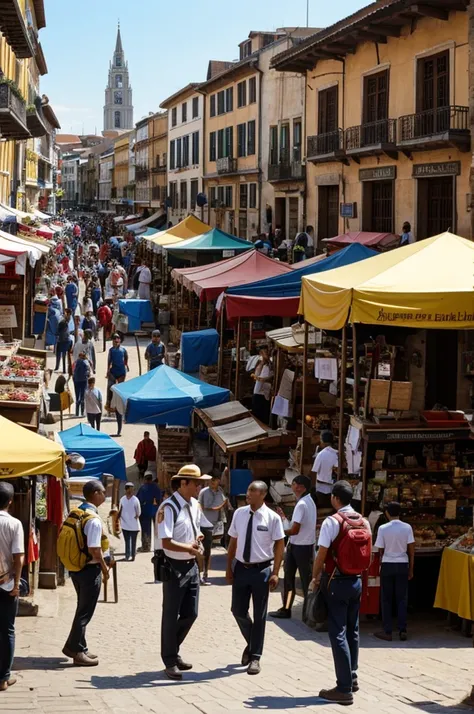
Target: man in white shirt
(178,521)
(88,581)
(396,544)
(256,538)
(144,281)
(325,463)
(300,548)
(93,404)
(342,591)
(12,553)
(129,514)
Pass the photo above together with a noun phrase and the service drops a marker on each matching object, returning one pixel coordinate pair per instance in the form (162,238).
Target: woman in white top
(263,376)
(129,514)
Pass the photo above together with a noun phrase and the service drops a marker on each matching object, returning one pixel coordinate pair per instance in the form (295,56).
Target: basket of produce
(18,395)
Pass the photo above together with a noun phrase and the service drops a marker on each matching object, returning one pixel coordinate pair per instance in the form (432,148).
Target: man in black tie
(256,539)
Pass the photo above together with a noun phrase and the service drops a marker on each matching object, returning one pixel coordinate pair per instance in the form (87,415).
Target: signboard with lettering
(424,435)
(228,253)
(8,316)
(443,168)
(379,173)
(348,210)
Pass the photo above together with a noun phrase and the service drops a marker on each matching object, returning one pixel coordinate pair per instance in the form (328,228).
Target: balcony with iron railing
(371,139)
(13,27)
(158,169)
(435,128)
(12,113)
(35,120)
(288,167)
(326,147)
(141,172)
(226,165)
(142,194)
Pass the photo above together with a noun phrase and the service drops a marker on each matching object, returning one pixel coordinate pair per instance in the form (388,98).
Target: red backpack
(352,549)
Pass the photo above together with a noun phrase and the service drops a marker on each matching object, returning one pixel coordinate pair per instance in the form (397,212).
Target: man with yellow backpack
(83,548)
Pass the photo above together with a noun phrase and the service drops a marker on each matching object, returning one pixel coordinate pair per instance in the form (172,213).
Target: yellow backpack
(72,546)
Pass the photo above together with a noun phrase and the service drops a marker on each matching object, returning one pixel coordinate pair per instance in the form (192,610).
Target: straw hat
(191,471)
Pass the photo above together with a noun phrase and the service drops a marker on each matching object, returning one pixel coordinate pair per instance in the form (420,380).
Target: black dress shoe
(254,667)
(173,673)
(282,614)
(355,685)
(182,665)
(245,657)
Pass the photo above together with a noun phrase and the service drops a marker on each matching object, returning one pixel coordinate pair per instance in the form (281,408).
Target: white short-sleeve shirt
(330,528)
(12,543)
(394,538)
(326,460)
(305,514)
(130,512)
(267,528)
(181,530)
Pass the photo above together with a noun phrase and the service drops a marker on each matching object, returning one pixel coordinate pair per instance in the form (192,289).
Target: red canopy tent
(378,241)
(209,281)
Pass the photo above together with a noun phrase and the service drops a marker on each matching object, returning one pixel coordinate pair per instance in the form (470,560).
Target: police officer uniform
(256,533)
(179,520)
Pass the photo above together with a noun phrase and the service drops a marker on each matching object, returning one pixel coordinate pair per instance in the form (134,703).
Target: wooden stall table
(455,591)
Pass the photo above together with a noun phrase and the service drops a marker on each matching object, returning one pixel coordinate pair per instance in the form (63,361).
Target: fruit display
(465,543)
(17,373)
(21,362)
(9,394)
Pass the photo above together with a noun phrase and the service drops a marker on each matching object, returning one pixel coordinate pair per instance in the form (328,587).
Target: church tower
(118,108)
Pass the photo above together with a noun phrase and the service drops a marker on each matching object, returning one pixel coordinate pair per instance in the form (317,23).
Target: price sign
(8,316)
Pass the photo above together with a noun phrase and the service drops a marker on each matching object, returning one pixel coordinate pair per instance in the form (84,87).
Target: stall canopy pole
(237,357)
(221,345)
(199,315)
(356,370)
(305,372)
(341,397)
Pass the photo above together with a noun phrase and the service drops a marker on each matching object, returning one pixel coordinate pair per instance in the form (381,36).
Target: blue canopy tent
(279,295)
(165,396)
(102,454)
(199,348)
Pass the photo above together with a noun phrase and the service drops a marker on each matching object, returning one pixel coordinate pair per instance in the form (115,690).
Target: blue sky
(167,44)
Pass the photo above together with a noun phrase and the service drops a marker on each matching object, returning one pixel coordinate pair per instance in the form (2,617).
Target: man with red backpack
(345,548)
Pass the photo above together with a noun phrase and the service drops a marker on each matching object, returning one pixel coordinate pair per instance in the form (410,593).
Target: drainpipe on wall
(303,152)
(259,155)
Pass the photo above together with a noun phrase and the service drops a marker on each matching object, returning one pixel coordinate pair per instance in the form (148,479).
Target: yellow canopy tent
(24,453)
(429,284)
(190,227)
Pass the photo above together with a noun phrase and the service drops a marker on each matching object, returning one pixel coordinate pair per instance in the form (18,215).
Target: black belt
(262,566)
(180,561)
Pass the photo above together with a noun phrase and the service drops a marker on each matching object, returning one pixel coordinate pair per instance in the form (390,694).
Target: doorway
(441,368)
(328,212)
(280,214)
(436,211)
(377,206)
(292,217)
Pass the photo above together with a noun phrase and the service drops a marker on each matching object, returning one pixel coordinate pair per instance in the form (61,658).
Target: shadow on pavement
(159,679)
(24,663)
(284,702)
(433,708)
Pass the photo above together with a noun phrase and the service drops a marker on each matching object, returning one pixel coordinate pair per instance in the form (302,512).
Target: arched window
(117,120)
(118,61)
(118,97)
(118,81)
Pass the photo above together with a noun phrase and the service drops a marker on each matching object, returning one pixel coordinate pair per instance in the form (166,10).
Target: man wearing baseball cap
(178,521)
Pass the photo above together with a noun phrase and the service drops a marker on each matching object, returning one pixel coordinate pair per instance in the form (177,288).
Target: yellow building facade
(231,149)
(120,181)
(387,120)
(157,157)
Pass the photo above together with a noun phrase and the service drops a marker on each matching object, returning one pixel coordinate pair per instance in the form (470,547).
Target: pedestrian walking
(72,293)
(144,453)
(324,466)
(396,544)
(117,366)
(63,344)
(85,345)
(299,554)
(93,404)
(256,539)
(12,555)
(213,502)
(129,515)
(149,495)
(344,553)
(88,579)
(155,353)
(80,375)
(178,528)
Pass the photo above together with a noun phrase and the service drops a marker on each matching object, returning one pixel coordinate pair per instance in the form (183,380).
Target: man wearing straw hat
(178,521)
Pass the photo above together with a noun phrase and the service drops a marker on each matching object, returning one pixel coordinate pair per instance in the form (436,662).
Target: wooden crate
(400,395)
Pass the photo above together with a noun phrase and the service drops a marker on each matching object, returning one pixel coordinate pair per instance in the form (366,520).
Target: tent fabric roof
(379,240)
(214,239)
(101,452)
(145,222)
(209,281)
(190,227)
(165,396)
(279,295)
(427,284)
(24,453)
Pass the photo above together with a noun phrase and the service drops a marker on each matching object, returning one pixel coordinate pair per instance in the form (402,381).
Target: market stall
(103,455)
(207,248)
(136,311)
(409,436)
(378,241)
(22,376)
(199,349)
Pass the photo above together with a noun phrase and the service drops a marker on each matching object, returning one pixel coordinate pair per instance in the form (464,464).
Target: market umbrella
(101,452)
(24,453)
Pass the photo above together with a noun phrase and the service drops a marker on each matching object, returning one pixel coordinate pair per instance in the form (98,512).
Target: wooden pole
(237,357)
(199,315)
(356,370)
(138,353)
(341,397)
(250,335)
(304,376)
(220,362)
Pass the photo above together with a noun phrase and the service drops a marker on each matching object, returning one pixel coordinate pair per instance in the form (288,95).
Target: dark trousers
(8,611)
(261,408)
(207,545)
(87,583)
(80,390)
(130,538)
(297,558)
(251,583)
(343,602)
(94,420)
(145,523)
(394,580)
(180,608)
